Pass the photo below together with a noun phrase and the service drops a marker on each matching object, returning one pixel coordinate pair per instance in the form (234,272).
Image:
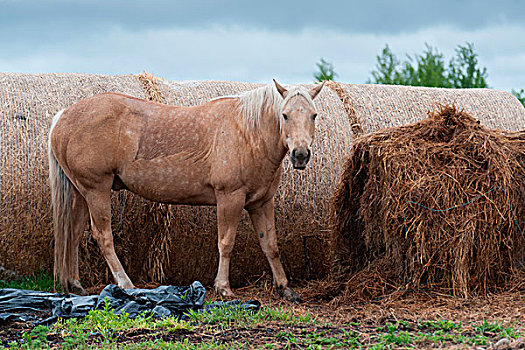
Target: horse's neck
(271,134)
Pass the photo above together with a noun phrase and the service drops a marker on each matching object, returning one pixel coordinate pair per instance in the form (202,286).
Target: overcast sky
(255,40)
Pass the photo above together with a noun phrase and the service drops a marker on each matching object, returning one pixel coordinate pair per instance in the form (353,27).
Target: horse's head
(298,124)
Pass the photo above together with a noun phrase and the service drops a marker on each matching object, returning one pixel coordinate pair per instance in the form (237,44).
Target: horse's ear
(281,90)
(316,90)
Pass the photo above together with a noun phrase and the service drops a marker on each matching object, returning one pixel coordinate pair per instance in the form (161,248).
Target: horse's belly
(164,182)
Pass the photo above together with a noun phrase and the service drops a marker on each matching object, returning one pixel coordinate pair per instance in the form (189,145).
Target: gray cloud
(239,40)
(258,55)
(347,16)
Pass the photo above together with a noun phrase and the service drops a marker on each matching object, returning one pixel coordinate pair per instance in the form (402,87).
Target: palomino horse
(227,152)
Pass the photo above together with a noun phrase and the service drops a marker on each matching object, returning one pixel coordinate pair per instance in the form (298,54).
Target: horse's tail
(61,200)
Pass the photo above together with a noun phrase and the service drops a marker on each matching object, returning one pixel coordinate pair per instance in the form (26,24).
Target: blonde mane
(254,103)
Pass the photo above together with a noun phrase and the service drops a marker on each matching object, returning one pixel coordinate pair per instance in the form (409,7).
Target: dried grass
(435,204)
(150,85)
(345,98)
(179,243)
(159,255)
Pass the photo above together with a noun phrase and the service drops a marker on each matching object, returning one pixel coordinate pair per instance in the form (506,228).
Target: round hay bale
(435,204)
(177,244)
(28,102)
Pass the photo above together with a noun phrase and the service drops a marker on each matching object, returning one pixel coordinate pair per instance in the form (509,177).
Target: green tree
(427,69)
(463,71)
(387,69)
(520,95)
(430,69)
(326,71)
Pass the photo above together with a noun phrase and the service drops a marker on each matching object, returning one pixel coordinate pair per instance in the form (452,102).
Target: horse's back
(99,115)
(120,125)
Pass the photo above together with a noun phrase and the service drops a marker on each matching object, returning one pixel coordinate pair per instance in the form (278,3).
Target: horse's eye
(314,116)
(285,116)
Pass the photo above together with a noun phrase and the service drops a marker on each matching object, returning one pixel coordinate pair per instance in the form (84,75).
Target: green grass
(36,339)
(107,325)
(161,344)
(339,339)
(444,325)
(487,327)
(234,317)
(497,328)
(104,329)
(403,334)
(41,281)
(103,324)
(100,329)
(441,337)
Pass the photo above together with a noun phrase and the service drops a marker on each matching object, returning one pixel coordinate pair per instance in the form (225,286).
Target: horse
(227,152)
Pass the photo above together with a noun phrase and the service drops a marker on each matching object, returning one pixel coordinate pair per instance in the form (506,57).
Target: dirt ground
(334,321)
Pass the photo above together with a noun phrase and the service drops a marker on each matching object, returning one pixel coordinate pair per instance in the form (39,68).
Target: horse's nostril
(300,155)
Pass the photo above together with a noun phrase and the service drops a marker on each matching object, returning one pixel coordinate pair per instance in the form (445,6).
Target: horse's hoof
(225,293)
(76,288)
(290,295)
(127,286)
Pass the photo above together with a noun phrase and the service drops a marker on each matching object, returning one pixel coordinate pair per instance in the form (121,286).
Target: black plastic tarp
(46,308)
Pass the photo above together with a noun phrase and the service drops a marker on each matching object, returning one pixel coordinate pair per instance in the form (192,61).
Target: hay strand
(159,252)
(434,204)
(150,84)
(344,96)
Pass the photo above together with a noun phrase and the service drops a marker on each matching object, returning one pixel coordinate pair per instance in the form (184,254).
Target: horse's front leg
(263,220)
(229,209)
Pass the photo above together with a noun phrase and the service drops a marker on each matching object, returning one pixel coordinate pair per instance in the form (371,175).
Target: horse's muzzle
(300,158)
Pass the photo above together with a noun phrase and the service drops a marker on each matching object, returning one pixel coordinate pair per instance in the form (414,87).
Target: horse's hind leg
(263,220)
(99,204)
(80,215)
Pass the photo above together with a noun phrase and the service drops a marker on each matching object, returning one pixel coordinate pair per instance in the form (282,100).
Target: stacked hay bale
(177,244)
(434,204)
